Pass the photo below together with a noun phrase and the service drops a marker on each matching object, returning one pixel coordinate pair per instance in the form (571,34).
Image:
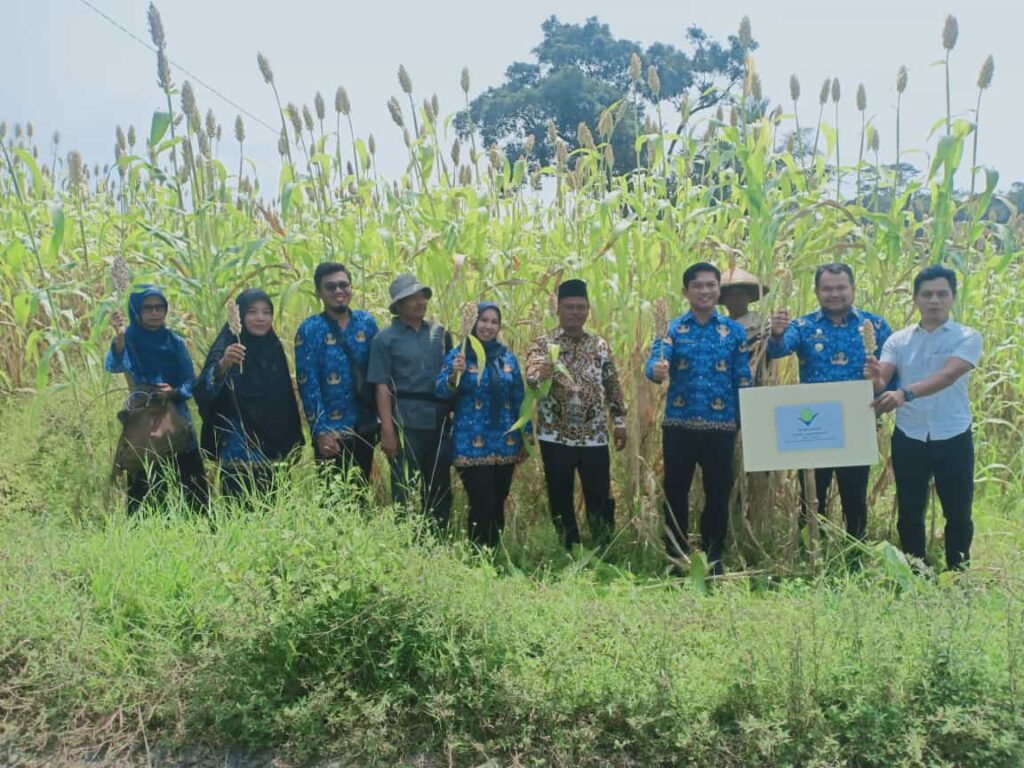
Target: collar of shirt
(560,335)
(397,322)
(949,325)
(688,317)
(821,317)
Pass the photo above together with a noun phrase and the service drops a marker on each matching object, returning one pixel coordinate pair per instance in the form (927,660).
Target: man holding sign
(830,348)
(704,357)
(932,438)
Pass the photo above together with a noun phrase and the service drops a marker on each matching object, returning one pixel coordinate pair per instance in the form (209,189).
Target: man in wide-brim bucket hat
(405,360)
(404,286)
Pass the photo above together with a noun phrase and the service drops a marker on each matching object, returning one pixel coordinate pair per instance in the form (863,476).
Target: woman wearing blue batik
(487,395)
(332,350)
(156,361)
(246,399)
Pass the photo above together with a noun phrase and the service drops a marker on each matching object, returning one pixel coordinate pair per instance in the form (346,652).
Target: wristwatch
(908,395)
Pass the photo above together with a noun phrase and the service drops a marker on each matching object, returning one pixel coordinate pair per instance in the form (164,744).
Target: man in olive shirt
(405,360)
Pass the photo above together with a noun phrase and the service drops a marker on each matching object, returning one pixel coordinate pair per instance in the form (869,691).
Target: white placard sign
(804,426)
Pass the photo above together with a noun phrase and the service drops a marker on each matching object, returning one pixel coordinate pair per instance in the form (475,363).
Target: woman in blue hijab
(156,360)
(487,395)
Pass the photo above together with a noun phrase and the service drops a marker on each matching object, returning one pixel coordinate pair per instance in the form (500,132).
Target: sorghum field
(321,626)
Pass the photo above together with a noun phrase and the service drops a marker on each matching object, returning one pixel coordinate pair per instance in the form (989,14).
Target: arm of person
(660,353)
(954,368)
(117,361)
(388,436)
(883,332)
(880,371)
(444,386)
(307,376)
(378,373)
(785,344)
(741,375)
(186,373)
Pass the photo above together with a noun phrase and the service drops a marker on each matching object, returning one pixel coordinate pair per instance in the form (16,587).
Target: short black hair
(935,272)
(835,268)
(701,266)
(328,268)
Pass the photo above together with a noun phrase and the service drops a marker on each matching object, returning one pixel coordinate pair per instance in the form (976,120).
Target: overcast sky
(65,68)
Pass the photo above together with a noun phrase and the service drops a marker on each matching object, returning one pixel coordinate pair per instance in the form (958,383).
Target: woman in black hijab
(246,399)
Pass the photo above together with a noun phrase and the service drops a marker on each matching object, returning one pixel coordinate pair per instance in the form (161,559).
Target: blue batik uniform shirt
(829,352)
(324,374)
(707,366)
(232,444)
(480,432)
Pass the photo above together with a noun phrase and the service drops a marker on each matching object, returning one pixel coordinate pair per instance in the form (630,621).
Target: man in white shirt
(932,437)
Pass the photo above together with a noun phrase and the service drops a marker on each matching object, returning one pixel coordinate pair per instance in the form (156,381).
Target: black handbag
(151,428)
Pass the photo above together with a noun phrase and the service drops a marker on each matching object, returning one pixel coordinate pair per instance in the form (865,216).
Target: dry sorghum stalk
(867,333)
(341,102)
(745,36)
(950,32)
(235,322)
(120,276)
(404,80)
(396,112)
(469,314)
(635,67)
(985,75)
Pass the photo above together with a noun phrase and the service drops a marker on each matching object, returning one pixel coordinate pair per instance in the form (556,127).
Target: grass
(318,625)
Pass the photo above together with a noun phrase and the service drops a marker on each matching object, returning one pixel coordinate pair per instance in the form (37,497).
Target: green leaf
(23,307)
(699,572)
(363,154)
(38,185)
(478,350)
(286,197)
(158,127)
(57,217)
(894,564)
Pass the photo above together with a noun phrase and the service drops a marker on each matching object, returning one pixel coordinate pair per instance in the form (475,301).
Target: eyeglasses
(336,285)
(159,308)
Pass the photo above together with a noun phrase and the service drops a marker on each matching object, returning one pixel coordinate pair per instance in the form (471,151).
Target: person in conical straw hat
(739,289)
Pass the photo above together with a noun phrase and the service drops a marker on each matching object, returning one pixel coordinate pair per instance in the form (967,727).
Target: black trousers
(683,450)
(853,495)
(951,463)
(151,482)
(356,450)
(593,463)
(424,463)
(239,479)
(487,487)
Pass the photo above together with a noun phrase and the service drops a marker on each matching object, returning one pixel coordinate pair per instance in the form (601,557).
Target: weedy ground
(319,625)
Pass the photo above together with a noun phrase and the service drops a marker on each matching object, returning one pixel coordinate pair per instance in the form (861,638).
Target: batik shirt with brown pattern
(595,383)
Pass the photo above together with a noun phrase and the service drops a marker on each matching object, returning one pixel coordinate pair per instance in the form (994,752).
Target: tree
(581,70)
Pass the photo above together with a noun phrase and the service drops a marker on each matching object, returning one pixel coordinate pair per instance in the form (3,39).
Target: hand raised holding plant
(545,369)
(233,355)
(458,368)
(117,321)
(661,370)
(780,322)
